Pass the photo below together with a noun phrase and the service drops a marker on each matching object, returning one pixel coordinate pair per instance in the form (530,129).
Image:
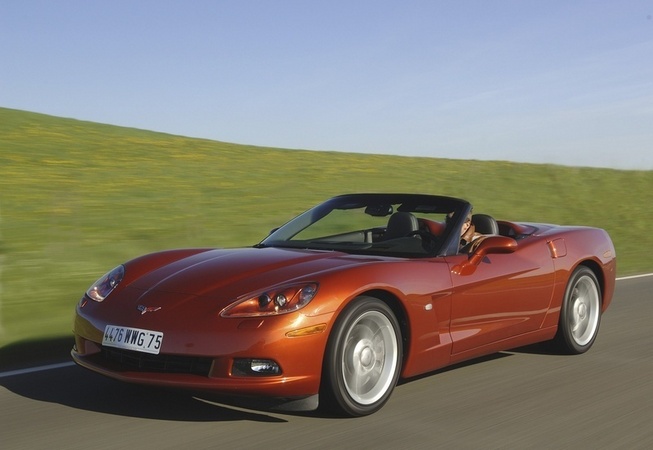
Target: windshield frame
(446,244)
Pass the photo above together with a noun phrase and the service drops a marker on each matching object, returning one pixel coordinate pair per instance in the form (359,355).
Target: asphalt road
(520,399)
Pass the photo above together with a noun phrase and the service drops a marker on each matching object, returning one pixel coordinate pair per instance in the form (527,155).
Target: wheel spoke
(584,313)
(370,357)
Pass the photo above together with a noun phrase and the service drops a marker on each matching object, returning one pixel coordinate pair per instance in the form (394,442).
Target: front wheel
(580,315)
(363,358)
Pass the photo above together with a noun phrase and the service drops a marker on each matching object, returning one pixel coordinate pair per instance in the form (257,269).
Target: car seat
(485,224)
(401,224)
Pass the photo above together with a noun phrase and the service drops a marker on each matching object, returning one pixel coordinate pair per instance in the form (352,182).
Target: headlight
(273,301)
(105,285)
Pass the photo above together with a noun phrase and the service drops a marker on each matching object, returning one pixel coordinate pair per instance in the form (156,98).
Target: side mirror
(489,245)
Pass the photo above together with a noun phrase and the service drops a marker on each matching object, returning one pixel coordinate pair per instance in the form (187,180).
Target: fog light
(255,367)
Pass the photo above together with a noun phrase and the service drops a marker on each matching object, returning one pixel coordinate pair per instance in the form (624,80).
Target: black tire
(580,314)
(362,360)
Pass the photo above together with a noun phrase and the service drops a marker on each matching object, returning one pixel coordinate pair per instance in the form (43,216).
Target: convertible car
(338,304)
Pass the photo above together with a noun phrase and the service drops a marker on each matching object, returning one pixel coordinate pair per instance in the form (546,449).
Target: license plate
(146,341)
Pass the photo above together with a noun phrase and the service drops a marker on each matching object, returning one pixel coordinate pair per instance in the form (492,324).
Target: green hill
(77,198)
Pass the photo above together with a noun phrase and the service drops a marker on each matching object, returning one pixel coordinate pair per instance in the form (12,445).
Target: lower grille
(145,362)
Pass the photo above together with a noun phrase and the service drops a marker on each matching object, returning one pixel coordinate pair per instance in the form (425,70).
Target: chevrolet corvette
(333,308)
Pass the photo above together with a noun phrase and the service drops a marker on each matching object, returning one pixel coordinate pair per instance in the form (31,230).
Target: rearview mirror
(494,244)
(489,245)
(379,210)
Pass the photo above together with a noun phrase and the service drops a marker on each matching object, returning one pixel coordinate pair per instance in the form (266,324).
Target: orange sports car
(336,305)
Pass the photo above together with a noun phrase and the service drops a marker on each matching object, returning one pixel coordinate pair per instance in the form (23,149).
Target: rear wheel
(363,358)
(580,315)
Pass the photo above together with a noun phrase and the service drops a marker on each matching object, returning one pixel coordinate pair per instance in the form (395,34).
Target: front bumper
(203,360)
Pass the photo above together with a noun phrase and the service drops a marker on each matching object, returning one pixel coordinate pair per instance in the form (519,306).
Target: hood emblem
(146,309)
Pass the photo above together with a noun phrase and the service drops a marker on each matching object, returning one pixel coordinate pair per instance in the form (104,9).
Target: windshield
(406,225)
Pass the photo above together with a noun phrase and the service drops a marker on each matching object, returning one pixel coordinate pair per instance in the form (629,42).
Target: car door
(504,295)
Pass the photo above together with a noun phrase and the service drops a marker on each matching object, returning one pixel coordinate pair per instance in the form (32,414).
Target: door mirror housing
(489,245)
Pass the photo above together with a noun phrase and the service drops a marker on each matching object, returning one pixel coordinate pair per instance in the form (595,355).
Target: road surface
(526,398)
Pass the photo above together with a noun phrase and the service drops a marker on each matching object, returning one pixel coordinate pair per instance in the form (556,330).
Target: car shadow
(541,348)
(35,352)
(470,362)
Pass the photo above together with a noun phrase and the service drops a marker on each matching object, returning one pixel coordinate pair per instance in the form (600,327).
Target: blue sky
(564,82)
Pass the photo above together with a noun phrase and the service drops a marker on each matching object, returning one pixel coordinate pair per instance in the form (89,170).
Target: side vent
(558,248)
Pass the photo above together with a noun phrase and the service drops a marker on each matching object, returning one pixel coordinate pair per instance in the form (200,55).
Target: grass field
(78,198)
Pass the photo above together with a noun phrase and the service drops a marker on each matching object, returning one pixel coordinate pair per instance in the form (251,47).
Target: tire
(362,360)
(580,315)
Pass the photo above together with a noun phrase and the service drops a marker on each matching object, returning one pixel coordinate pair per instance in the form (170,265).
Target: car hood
(229,274)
